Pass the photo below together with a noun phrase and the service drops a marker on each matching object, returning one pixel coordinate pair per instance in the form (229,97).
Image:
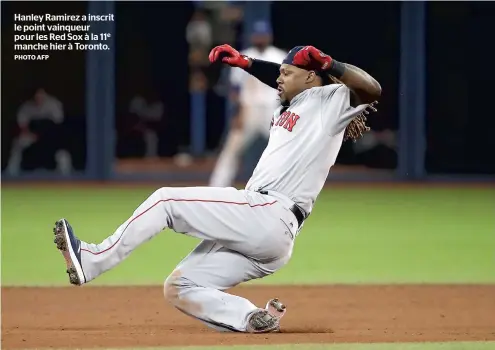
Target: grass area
(377,346)
(417,235)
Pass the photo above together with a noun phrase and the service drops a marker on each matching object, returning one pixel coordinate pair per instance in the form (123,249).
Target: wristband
(337,69)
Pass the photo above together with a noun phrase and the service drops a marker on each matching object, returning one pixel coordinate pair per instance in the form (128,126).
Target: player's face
(291,81)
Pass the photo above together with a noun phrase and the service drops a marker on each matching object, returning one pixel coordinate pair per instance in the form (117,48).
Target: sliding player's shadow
(308,330)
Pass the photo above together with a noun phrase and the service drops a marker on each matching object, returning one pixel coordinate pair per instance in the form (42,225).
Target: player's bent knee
(172,286)
(175,285)
(175,291)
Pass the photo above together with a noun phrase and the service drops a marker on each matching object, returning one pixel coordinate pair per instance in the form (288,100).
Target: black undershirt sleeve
(264,71)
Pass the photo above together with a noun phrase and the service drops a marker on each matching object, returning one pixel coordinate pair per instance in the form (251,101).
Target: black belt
(298,214)
(294,209)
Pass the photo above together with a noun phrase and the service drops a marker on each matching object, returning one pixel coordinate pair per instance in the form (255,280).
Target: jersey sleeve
(336,109)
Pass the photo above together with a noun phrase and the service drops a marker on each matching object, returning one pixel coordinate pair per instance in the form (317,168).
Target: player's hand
(227,54)
(312,58)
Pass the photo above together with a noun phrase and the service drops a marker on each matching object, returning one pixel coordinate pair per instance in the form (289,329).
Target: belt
(298,213)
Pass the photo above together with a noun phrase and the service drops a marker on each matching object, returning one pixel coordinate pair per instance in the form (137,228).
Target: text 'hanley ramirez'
(63,18)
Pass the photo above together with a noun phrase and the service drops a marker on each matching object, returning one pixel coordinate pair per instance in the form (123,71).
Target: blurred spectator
(199,38)
(225,19)
(139,135)
(198,31)
(41,141)
(377,149)
(149,116)
(198,81)
(42,107)
(255,104)
(213,23)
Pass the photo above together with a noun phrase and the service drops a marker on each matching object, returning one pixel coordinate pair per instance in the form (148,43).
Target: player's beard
(283,102)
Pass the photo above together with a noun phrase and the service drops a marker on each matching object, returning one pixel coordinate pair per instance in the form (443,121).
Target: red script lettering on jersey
(287,120)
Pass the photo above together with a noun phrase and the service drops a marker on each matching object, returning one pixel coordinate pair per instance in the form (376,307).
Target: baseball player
(255,103)
(245,234)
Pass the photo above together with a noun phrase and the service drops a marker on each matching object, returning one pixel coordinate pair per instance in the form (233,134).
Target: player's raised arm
(364,85)
(361,83)
(264,71)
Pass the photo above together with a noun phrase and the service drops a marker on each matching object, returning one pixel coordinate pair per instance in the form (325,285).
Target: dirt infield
(138,316)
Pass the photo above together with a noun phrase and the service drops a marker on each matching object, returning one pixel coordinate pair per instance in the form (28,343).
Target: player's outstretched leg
(196,287)
(244,221)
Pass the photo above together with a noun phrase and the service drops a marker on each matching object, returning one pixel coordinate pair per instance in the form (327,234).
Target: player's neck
(296,96)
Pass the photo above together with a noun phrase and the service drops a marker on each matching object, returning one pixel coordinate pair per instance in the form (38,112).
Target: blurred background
(153,107)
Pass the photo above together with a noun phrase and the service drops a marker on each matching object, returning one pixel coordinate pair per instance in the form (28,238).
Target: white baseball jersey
(252,92)
(304,142)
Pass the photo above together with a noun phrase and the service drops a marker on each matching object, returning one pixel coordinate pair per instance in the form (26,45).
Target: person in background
(149,114)
(254,104)
(38,144)
(198,31)
(199,37)
(377,149)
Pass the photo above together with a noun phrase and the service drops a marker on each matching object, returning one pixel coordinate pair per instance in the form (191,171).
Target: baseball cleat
(276,308)
(70,246)
(261,321)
